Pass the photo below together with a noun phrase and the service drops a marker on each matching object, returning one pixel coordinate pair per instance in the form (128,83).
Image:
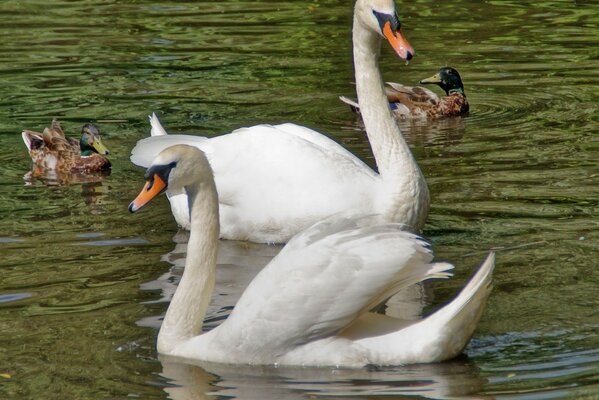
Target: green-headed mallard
(418,102)
(52,151)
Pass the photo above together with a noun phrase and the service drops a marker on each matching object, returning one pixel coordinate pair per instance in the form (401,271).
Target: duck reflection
(92,185)
(54,178)
(423,132)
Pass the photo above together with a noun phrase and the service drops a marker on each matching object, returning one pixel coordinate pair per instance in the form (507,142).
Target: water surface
(84,283)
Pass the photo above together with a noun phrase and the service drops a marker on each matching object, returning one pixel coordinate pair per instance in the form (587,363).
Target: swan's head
(380,16)
(173,169)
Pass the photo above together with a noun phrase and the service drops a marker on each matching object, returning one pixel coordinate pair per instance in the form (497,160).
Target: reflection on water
(438,381)
(518,173)
(53,178)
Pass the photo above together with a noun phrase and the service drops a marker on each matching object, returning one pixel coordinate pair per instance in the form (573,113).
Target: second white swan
(274,181)
(310,305)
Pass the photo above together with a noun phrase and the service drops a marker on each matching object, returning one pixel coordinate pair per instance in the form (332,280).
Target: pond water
(84,283)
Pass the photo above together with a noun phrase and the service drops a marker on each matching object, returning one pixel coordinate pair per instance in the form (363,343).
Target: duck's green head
(90,141)
(448,79)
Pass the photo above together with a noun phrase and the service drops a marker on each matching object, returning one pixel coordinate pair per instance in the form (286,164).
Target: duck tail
(355,107)
(32,140)
(156,127)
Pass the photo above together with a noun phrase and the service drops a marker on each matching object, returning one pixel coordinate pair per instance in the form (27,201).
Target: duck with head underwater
(52,151)
(417,102)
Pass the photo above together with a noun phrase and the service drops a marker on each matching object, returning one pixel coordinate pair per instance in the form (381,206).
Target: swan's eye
(160,171)
(383,19)
(395,24)
(150,184)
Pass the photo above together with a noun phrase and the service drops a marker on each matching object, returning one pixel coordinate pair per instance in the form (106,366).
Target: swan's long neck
(405,187)
(185,315)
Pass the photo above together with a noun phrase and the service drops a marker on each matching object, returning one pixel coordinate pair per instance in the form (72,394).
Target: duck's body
(274,181)
(416,102)
(310,305)
(52,151)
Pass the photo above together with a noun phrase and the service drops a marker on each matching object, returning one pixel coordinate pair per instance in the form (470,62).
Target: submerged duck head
(447,79)
(90,141)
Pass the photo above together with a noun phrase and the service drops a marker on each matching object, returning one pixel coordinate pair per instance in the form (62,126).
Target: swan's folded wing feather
(321,281)
(318,139)
(146,150)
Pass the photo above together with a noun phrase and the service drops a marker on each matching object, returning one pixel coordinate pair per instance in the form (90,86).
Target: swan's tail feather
(440,336)
(156,127)
(355,107)
(456,322)
(480,285)
(409,277)
(440,270)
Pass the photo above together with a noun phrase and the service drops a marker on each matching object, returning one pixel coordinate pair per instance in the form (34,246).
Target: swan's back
(318,284)
(274,181)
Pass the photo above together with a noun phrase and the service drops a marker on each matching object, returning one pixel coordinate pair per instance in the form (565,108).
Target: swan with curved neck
(310,305)
(274,181)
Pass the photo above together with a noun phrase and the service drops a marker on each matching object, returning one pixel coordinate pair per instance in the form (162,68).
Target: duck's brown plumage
(52,151)
(416,101)
(408,102)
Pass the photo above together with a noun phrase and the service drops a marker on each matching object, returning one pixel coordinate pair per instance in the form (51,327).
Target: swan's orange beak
(151,189)
(398,42)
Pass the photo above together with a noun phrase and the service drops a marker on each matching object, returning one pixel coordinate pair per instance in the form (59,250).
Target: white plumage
(310,305)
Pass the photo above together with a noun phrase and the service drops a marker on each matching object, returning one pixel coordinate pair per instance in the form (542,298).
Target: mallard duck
(52,151)
(418,102)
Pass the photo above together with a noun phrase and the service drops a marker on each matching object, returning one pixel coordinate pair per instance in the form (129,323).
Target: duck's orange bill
(399,43)
(150,190)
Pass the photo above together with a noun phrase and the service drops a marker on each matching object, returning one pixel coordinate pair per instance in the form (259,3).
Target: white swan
(310,305)
(274,181)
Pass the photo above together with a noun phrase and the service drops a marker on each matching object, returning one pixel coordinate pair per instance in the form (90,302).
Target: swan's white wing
(255,141)
(146,150)
(274,181)
(321,281)
(319,140)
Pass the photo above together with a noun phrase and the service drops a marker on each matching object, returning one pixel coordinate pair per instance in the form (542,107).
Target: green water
(82,283)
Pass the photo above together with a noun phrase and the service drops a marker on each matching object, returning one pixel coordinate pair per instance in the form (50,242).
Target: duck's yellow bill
(99,146)
(150,190)
(433,79)
(399,43)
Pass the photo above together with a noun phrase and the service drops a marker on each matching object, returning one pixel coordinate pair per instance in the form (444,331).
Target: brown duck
(417,102)
(52,151)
